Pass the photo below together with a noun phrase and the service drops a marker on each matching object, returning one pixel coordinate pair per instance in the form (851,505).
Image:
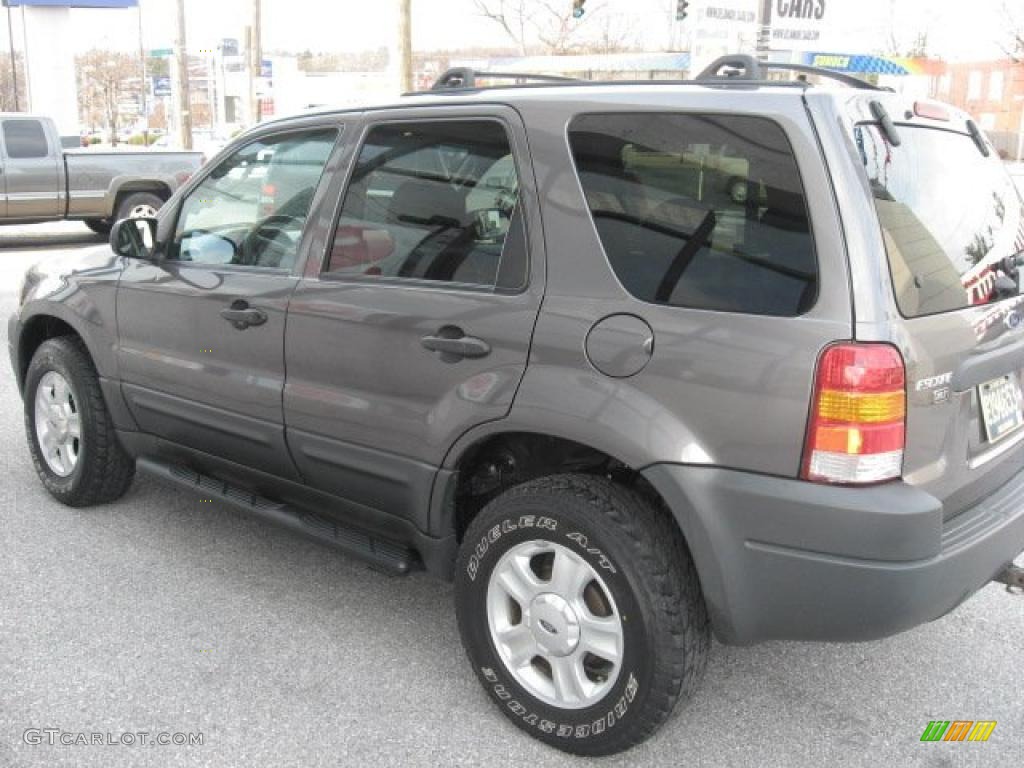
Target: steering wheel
(272,241)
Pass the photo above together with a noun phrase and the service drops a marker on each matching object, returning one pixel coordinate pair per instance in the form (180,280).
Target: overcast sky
(957,29)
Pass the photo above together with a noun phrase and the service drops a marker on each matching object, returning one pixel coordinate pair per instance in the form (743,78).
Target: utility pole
(764,29)
(184,97)
(14,60)
(144,85)
(255,59)
(405,45)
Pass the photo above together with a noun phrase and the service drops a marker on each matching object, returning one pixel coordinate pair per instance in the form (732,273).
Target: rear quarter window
(700,211)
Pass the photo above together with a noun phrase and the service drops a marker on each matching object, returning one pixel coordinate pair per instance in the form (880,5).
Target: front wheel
(70,434)
(581,612)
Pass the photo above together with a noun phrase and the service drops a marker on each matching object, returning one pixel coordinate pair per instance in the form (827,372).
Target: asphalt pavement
(163,614)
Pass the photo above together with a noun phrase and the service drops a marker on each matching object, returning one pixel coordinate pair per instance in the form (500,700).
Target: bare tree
(105,80)
(916,46)
(8,102)
(1012,42)
(544,25)
(612,35)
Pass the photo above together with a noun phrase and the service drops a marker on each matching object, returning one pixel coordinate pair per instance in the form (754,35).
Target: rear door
(952,228)
(201,328)
(33,169)
(416,324)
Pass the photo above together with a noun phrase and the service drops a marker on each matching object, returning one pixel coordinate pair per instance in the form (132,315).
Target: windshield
(951,218)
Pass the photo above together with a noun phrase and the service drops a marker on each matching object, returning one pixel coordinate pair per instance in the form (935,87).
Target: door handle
(453,344)
(241,315)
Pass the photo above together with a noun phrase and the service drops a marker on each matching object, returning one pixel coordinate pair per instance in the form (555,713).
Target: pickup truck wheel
(71,438)
(581,612)
(139,205)
(99,226)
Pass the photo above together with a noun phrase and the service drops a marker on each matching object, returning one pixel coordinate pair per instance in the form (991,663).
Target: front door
(201,327)
(416,326)
(33,170)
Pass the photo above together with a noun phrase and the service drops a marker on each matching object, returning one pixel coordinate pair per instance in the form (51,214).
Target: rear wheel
(139,205)
(581,612)
(71,438)
(99,226)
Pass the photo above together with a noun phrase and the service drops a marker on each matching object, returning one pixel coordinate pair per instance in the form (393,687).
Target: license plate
(1001,407)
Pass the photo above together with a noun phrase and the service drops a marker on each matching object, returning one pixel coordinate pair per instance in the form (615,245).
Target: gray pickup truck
(40,181)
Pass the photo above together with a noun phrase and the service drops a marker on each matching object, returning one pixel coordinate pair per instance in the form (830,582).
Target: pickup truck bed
(39,181)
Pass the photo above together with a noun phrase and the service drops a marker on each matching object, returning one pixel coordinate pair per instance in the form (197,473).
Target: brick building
(992,91)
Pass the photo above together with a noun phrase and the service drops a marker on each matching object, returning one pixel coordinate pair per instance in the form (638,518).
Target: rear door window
(951,218)
(701,211)
(436,201)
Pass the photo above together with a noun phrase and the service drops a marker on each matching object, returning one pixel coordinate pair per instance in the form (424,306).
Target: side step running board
(385,555)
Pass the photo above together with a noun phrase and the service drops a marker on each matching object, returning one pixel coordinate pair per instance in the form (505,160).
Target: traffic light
(681,6)
(577,8)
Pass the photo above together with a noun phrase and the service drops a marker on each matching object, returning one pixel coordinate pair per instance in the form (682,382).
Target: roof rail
(466,77)
(744,67)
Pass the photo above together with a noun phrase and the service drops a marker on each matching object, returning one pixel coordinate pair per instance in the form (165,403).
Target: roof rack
(466,77)
(746,68)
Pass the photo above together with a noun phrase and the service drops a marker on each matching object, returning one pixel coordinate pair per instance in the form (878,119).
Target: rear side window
(951,218)
(701,211)
(25,139)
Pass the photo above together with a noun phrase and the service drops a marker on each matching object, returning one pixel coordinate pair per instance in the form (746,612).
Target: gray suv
(631,363)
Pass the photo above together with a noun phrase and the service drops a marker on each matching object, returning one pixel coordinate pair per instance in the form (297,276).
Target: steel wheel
(142,211)
(554,624)
(58,423)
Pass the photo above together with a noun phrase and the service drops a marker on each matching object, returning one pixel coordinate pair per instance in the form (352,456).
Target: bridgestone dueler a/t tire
(104,470)
(641,556)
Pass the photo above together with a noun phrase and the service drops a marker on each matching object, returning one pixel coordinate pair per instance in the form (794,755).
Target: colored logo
(958,730)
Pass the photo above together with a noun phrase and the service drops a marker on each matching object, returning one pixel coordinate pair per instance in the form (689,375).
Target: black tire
(640,554)
(99,226)
(135,200)
(103,471)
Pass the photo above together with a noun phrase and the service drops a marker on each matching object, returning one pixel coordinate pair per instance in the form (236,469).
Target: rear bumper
(784,559)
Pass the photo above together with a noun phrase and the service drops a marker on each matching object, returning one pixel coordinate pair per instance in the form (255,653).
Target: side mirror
(133,237)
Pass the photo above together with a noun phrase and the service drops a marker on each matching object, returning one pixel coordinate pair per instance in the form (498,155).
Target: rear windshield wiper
(886,123)
(979,140)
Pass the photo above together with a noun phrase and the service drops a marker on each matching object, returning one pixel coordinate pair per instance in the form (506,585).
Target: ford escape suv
(631,363)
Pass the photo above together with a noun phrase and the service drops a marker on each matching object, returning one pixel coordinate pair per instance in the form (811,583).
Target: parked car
(507,334)
(41,181)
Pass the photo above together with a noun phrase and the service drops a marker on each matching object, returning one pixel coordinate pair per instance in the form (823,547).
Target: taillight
(857,428)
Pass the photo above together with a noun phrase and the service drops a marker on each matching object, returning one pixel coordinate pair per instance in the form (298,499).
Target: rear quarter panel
(720,389)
